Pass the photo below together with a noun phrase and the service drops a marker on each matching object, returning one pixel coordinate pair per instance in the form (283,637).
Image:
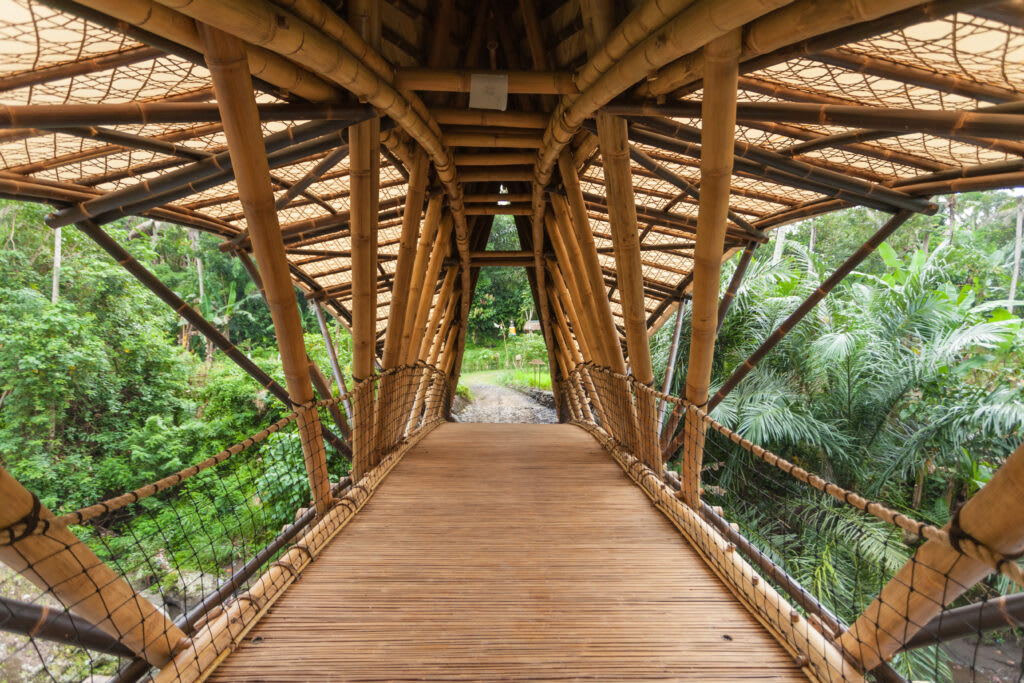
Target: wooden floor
(508,552)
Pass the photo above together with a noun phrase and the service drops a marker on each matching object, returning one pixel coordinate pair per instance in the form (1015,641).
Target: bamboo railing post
(938,574)
(57,561)
(717,138)
(614,145)
(227,61)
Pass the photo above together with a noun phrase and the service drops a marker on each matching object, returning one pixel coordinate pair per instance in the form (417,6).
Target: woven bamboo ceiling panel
(840,104)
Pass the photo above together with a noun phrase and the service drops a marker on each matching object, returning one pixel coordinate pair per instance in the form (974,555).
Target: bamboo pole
(734,285)
(629,269)
(840,273)
(1003,612)
(589,262)
(57,561)
(568,258)
(717,139)
(332,355)
(408,254)
(460,80)
(937,574)
(670,368)
(421,286)
(483,117)
(938,122)
(421,337)
(226,58)
(48,116)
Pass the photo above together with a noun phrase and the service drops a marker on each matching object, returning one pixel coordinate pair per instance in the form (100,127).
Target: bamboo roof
(899,58)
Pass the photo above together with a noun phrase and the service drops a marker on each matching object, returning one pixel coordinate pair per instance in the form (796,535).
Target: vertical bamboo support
(419,345)
(332,354)
(670,368)
(228,64)
(570,261)
(937,574)
(629,269)
(57,561)
(445,304)
(388,425)
(572,353)
(721,58)
(537,228)
(421,285)
(570,310)
(589,262)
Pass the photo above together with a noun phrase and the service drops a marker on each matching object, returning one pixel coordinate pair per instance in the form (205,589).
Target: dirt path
(499,404)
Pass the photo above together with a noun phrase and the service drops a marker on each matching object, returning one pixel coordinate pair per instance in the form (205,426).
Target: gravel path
(500,404)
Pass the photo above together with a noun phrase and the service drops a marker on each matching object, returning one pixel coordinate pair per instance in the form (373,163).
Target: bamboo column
(609,336)
(614,145)
(364,186)
(227,61)
(670,368)
(389,427)
(573,357)
(58,562)
(332,354)
(419,342)
(937,574)
(421,286)
(717,136)
(537,230)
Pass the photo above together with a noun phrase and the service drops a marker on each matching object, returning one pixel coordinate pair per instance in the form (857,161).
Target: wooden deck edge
(821,659)
(217,637)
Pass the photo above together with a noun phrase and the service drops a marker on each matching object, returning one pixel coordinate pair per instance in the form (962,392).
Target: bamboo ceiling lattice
(805,145)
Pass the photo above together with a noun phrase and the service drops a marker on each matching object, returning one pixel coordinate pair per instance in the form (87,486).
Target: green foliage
(502,294)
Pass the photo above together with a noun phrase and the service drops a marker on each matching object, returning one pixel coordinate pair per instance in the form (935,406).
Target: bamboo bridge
(638,145)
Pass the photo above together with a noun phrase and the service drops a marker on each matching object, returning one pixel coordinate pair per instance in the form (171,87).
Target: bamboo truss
(683,133)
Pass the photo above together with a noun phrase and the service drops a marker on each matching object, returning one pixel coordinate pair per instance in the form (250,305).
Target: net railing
(852,587)
(172,573)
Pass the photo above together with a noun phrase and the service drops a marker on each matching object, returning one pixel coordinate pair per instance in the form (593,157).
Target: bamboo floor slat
(508,552)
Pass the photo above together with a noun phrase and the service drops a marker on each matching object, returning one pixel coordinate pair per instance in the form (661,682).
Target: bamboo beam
(315,174)
(494,197)
(483,139)
(48,74)
(939,122)
(485,117)
(632,52)
(809,303)
(57,562)
(734,285)
(459,80)
(499,210)
(938,574)
(494,158)
(905,73)
(717,140)
(756,158)
(49,116)
(226,59)
(614,145)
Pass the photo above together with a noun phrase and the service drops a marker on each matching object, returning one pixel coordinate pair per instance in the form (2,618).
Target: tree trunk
(952,218)
(1016,251)
(814,238)
(780,244)
(55,293)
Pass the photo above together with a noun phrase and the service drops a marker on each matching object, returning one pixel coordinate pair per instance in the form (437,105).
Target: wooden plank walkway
(508,552)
